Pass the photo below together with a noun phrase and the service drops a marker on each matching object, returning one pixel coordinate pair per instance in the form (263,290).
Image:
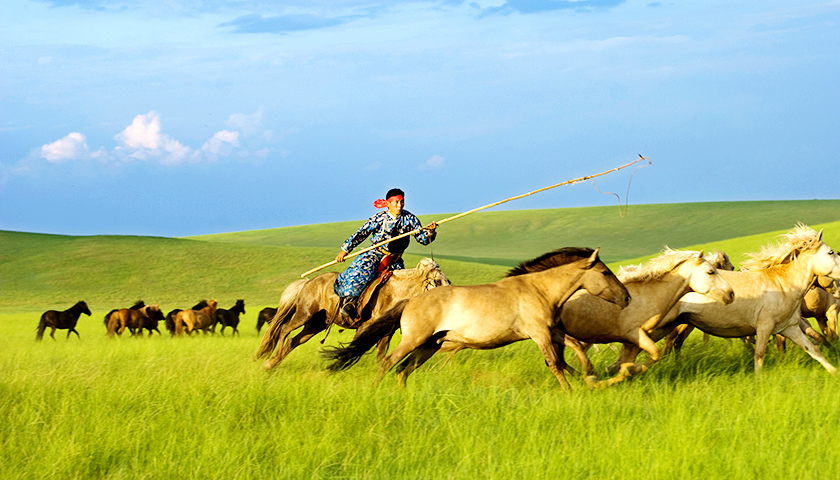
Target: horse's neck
(662,293)
(557,284)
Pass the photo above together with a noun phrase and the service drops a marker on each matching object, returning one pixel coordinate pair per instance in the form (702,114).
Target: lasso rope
(454,217)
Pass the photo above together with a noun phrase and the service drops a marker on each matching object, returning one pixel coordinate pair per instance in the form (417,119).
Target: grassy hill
(49,271)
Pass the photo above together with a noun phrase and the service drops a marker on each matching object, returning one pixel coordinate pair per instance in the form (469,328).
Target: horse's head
(83,308)
(600,281)
(211,307)
(720,260)
(431,274)
(704,278)
(825,261)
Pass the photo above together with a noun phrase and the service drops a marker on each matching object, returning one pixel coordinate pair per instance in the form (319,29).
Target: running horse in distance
(523,305)
(65,320)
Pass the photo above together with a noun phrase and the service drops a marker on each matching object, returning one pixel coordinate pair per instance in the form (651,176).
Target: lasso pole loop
(454,217)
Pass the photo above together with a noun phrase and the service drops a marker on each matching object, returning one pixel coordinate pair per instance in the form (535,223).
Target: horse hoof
(268,365)
(591,381)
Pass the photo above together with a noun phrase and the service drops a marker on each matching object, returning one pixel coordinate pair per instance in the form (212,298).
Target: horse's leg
(629,369)
(301,318)
(73,330)
(543,340)
(52,333)
(415,359)
(808,330)
(794,333)
(585,363)
(312,328)
(406,346)
(831,317)
(762,335)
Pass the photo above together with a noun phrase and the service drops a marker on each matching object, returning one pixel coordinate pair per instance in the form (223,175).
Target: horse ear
(700,254)
(819,235)
(594,257)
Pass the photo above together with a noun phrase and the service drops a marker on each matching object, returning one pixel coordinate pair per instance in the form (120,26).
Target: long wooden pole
(568,182)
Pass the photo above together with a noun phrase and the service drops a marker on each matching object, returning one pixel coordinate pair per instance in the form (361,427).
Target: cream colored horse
(313,305)
(520,306)
(768,292)
(655,287)
(192,320)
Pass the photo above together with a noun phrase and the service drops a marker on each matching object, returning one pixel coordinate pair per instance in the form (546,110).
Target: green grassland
(199,407)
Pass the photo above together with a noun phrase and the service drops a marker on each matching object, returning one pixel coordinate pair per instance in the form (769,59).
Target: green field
(199,407)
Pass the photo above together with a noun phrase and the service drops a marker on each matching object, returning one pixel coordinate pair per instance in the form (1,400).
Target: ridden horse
(520,306)
(229,318)
(62,320)
(196,319)
(769,289)
(265,316)
(655,288)
(313,305)
(169,320)
(136,318)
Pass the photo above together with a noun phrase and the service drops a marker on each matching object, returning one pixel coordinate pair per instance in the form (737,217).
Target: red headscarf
(383,203)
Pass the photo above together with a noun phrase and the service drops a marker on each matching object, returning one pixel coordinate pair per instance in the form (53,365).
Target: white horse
(768,292)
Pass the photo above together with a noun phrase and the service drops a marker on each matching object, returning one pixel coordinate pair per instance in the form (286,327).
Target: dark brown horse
(313,305)
(265,316)
(229,318)
(65,320)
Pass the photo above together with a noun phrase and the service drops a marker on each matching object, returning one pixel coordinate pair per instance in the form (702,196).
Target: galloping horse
(196,319)
(62,320)
(265,316)
(520,306)
(229,318)
(169,321)
(768,292)
(313,305)
(655,288)
(134,318)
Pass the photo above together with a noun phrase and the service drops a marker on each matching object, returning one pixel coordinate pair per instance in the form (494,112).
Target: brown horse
(192,320)
(822,302)
(265,316)
(132,318)
(520,306)
(313,305)
(229,318)
(62,320)
(169,320)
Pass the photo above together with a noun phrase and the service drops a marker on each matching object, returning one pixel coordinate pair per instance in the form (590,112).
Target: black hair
(394,191)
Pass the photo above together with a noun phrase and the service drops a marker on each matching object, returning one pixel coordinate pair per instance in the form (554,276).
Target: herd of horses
(204,316)
(565,298)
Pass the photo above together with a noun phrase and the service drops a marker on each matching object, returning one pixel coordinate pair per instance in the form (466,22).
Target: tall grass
(199,408)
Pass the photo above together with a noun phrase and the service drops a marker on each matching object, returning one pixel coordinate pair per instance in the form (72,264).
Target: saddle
(384,273)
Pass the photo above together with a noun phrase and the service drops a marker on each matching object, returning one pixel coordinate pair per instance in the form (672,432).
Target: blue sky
(185,117)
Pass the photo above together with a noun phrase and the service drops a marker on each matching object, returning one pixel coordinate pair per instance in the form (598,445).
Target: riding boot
(348,307)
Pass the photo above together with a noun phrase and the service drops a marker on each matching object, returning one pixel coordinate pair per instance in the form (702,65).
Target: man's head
(396,201)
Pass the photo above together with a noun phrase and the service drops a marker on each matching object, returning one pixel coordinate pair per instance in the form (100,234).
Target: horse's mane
(424,266)
(801,239)
(551,260)
(656,267)
(137,306)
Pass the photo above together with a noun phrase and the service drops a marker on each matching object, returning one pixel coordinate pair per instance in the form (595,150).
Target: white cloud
(71,147)
(222,144)
(433,163)
(143,133)
(248,124)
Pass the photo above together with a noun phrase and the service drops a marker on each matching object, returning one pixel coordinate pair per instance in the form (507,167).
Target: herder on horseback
(392,222)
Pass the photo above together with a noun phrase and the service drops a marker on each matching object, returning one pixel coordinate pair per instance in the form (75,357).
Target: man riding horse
(390,223)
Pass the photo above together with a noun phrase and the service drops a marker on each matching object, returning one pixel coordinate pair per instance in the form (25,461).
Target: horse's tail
(366,337)
(285,310)
(42,327)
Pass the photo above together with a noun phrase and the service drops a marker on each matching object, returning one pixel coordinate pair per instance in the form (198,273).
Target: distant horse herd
(203,316)
(564,298)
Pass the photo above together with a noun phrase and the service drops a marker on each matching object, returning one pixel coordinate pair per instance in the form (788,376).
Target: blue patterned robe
(379,227)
